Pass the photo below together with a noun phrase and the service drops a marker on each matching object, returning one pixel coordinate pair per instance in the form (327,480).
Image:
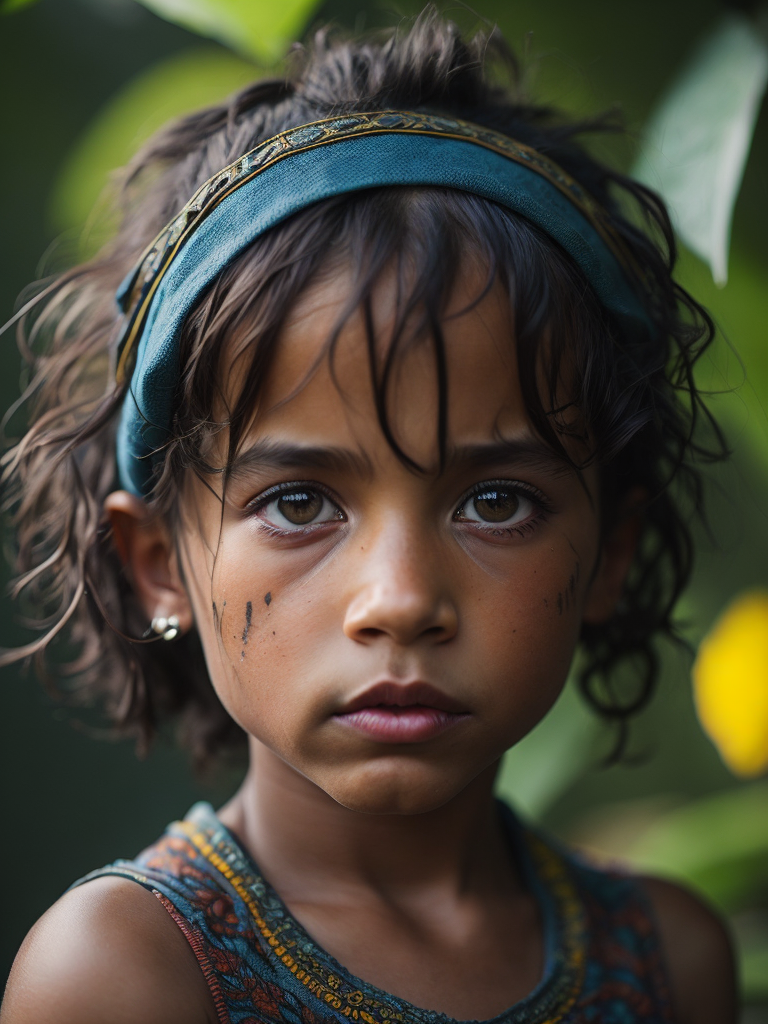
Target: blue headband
(310,163)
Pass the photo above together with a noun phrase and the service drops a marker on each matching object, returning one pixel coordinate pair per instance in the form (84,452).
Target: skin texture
(391,855)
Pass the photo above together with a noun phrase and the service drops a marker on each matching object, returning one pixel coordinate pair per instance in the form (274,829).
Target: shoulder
(698,953)
(107,950)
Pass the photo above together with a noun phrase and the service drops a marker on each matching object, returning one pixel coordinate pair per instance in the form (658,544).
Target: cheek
(260,629)
(527,622)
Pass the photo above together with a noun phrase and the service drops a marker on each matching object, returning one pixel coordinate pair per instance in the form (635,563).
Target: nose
(401,594)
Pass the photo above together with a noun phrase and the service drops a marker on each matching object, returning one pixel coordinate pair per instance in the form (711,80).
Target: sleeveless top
(602,956)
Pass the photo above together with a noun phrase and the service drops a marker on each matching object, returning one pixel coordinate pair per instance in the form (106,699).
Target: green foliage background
(82,82)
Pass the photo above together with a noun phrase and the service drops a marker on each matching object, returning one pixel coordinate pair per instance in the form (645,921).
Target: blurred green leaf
(550,759)
(7,6)
(718,844)
(735,369)
(698,140)
(253,27)
(741,312)
(753,964)
(169,89)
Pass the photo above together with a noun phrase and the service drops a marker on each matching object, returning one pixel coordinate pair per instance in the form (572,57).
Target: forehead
(308,390)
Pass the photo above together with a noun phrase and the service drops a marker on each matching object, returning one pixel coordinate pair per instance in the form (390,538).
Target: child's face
(336,569)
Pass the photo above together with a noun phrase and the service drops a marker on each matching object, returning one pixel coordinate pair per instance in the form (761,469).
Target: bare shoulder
(698,952)
(107,950)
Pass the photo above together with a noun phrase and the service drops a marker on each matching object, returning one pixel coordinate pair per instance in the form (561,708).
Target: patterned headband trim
(312,163)
(136,293)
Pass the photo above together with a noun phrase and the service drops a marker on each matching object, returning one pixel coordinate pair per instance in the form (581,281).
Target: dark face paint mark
(268,599)
(568,596)
(248,613)
(246,631)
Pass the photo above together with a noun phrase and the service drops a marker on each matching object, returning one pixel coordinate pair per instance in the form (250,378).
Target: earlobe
(146,549)
(617,553)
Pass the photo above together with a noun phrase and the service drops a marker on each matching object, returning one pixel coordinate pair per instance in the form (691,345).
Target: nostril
(369,633)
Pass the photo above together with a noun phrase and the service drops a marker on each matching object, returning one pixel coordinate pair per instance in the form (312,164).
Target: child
(383,428)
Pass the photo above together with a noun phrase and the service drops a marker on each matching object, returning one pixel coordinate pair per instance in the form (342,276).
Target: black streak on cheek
(568,596)
(246,631)
(268,599)
(215,617)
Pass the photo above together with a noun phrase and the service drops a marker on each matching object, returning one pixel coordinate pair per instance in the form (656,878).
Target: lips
(402,713)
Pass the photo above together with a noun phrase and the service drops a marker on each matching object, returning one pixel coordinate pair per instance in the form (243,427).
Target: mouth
(402,713)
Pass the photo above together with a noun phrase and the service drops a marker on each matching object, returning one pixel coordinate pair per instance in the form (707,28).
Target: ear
(616,555)
(147,551)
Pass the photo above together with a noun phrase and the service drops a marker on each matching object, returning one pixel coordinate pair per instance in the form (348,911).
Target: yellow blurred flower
(730,679)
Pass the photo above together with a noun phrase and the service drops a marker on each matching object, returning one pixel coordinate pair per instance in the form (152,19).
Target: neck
(305,843)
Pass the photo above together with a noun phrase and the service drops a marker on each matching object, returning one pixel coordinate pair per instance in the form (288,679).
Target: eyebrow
(266,454)
(279,455)
(522,451)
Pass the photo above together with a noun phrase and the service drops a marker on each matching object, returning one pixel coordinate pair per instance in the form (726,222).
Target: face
(386,633)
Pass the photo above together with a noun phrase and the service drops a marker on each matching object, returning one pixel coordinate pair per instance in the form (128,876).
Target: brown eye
(496,505)
(300,507)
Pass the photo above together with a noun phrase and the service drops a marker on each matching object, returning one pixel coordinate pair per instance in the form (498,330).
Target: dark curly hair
(638,401)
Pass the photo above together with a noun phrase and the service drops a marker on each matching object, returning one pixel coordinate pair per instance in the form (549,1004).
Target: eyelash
(254,507)
(542,508)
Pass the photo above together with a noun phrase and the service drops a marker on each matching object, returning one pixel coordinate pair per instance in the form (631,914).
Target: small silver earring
(167,628)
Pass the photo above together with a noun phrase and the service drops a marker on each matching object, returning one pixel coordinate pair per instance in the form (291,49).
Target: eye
(297,507)
(503,504)
(495,505)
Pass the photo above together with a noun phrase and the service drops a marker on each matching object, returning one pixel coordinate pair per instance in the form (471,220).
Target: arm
(698,954)
(106,952)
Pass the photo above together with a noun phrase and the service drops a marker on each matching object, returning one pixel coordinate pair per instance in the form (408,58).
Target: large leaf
(253,27)
(718,844)
(698,139)
(169,89)
(550,759)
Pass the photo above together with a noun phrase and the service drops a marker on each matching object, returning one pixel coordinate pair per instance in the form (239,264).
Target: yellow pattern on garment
(730,678)
(354,1004)
(310,978)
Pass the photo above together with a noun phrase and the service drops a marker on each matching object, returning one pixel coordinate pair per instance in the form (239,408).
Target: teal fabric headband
(305,165)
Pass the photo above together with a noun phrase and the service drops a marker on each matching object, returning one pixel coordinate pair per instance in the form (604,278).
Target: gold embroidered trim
(335,992)
(158,256)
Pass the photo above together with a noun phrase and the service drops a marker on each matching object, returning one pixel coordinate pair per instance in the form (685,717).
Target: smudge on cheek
(566,598)
(268,599)
(247,628)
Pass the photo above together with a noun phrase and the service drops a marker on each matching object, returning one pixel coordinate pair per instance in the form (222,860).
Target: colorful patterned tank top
(602,958)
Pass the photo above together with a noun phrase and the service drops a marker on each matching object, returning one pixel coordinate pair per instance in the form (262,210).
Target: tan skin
(390,855)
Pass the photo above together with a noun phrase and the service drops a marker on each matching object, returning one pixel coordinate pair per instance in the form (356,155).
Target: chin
(396,788)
